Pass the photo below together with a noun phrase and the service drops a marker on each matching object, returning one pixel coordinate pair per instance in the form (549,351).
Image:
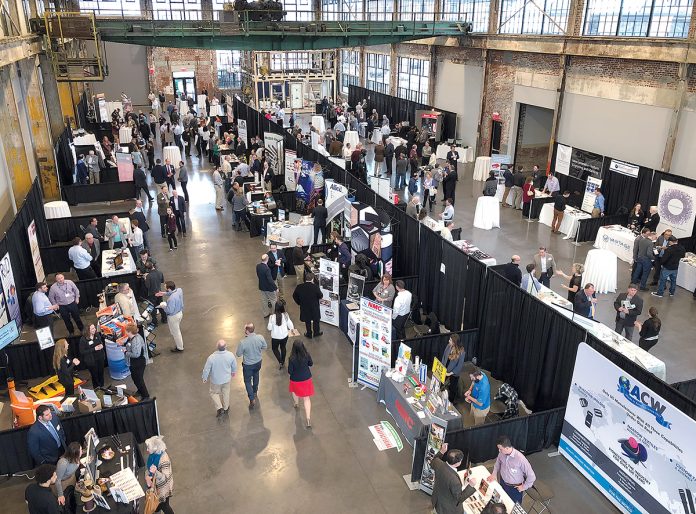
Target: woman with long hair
(159,472)
(575,280)
(93,354)
(453,359)
(64,366)
(635,218)
(649,330)
(301,385)
(280,326)
(65,471)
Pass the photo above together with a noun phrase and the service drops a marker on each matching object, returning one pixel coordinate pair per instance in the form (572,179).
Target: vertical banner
(290,176)
(676,206)
(436,436)
(589,198)
(328,284)
(124,165)
(35,253)
(374,353)
(274,152)
(242,131)
(10,290)
(632,444)
(563,154)
(335,198)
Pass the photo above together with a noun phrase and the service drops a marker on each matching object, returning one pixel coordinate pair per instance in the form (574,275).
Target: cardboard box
(86,406)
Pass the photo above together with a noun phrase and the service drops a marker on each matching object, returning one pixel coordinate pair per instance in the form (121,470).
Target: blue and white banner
(632,444)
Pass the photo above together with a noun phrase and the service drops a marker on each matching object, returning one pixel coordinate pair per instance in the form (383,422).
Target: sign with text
(35,253)
(624,168)
(439,370)
(588,199)
(290,178)
(563,154)
(374,352)
(436,436)
(328,284)
(585,164)
(632,444)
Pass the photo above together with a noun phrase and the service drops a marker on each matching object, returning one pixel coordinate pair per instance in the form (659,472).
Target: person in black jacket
(490,186)
(511,270)
(137,214)
(307,296)
(343,256)
(670,266)
(584,303)
(159,174)
(39,496)
(276,263)
(319,215)
(140,180)
(64,366)
(449,183)
(93,354)
(653,219)
(46,437)
(178,206)
(301,385)
(448,493)
(389,157)
(267,286)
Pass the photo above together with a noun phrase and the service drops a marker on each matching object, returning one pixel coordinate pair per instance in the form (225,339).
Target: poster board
(436,436)
(9,288)
(124,165)
(45,338)
(585,164)
(35,253)
(632,444)
(328,284)
(356,287)
(374,352)
(676,206)
(335,195)
(242,131)
(563,153)
(589,198)
(290,178)
(274,152)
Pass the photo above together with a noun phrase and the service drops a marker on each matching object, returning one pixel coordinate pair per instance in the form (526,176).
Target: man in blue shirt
(479,396)
(82,260)
(598,208)
(220,368)
(173,306)
(43,309)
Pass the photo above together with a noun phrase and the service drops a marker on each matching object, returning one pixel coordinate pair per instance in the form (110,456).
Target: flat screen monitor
(8,333)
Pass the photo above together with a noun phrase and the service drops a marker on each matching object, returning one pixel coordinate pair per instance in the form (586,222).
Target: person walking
(249,350)
(171,230)
(220,368)
(134,350)
(670,267)
(649,330)
(159,472)
(219,186)
(178,206)
(280,325)
(66,295)
(628,307)
(307,296)
(141,183)
(301,385)
(183,180)
(162,206)
(64,366)
(267,286)
(93,354)
(173,306)
(299,256)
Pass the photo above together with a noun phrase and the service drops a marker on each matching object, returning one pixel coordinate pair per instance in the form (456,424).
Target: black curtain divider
(429,272)
(90,193)
(450,300)
(430,346)
(82,109)
(687,242)
(687,388)
(65,163)
(65,229)
(622,191)
(398,109)
(529,434)
(474,289)
(55,258)
(406,240)
(588,227)
(27,360)
(140,419)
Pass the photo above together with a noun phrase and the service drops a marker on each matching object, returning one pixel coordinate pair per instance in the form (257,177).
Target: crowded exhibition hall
(431,256)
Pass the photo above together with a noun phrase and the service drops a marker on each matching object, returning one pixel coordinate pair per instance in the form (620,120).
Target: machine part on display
(263,10)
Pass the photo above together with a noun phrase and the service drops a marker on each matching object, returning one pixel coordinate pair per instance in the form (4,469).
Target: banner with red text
(374,352)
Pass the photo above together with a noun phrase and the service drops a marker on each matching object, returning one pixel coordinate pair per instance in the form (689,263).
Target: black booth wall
(65,229)
(106,192)
(65,163)
(687,388)
(430,346)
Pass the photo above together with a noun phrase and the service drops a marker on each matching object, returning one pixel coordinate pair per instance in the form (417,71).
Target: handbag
(151,499)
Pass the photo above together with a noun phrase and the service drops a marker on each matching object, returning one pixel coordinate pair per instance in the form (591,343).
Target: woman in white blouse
(280,325)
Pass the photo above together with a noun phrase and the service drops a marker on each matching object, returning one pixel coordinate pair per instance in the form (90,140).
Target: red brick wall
(164,61)
(664,75)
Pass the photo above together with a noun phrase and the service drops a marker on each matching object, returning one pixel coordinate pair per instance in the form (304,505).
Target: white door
(296,95)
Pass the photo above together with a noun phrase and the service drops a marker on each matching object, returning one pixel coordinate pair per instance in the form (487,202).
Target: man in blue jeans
(670,266)
(250,349)
(643,258)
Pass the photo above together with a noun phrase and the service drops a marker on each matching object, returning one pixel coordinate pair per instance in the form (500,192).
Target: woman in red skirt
(301,385)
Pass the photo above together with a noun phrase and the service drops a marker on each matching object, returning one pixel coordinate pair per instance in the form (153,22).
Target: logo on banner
(644,401)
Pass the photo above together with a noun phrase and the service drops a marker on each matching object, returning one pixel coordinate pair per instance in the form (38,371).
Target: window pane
(670,18)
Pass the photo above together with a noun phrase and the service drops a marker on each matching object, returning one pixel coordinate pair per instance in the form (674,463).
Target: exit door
(186,85)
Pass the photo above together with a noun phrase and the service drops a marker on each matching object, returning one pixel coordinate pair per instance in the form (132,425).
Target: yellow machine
(51,388)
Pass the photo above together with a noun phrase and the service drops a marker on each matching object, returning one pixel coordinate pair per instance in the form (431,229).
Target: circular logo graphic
(676,207)
(605,238)
(624,382)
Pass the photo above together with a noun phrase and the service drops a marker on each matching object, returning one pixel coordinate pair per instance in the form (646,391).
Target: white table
(487,215)
(433,224)
(216,110)
(108,267)
(86,140)
(201,103)
(686,276)
(396,141)
(571,219)
(57,209)
(351,136)
(172,153)
(125,134)
(182,106)
(481,168)
(617,239)
(318,123)
(466,154)
(290,232)
(479,473)
(377,135)
(600,270)
(468,248)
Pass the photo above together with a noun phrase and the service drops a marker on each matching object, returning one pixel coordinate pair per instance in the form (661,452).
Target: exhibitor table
(617,239)
(571,219)
(57,209)
(283,231)
(172,153)
(318,123)
(487,215)
(686,276)
(405,409)
(466,154)
(481,168)
(474,504)
(470,249)
(108,269)
(351,136)
(600,270)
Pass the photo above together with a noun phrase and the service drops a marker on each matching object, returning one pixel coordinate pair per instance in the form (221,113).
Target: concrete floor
(265,460)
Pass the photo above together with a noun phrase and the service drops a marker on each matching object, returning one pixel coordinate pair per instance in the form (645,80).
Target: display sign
(290,178)
(585,164)
(35,252)
(328,284)
(436,436)
(386,437)
(8,333)
(632,444)
(374,353)
(439,370)
(356,286)
(335,196)
(45,338)
(589,199)
(676,206)
(10,290)
(242,131)
(274,152)
(563,154)
(497,161)
(624,168)
(124,164)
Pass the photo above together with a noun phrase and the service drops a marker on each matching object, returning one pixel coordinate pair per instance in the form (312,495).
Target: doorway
(533,136)
(184,82)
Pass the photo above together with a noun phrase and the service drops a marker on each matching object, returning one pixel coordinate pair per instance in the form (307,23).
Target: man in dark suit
(453,157)
(46,437)
(320,213)
(276,263)
(449,183)
(137,214)
(169,174)
(307,296)
(141,183)
(159,175)
(448,493)
(178,206)
(585,302)
(511,270)
(628,307)
(389,157)
(344,256)
(267,286)
(153,284)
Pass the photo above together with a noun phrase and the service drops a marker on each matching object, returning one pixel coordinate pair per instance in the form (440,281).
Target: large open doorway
(184,82)
(533,136)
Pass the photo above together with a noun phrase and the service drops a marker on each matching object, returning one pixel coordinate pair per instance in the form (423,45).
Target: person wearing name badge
(598,207)
(512,470)
(46,437)
(93,354)
(42,307)
(66,295)
(448,494)
(585,303)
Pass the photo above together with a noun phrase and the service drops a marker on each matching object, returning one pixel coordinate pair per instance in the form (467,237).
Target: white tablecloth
(600,270)
(108,267)
(86,140)
(183,107)
(487,215)
(351,136)
(617,239)
(216,110)
(172,153)
(571,219)
(377,135)
(57,209)
(125,134)
(290,233)
(201,103)
(318,123)
(481,168)
(465,154)
(686,276)
(468,248)
(479,473)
